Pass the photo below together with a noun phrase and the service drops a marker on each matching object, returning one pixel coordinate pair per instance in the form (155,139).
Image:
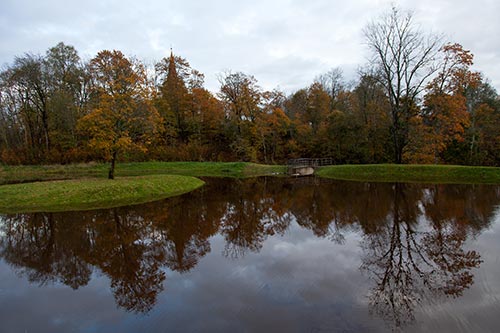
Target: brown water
(261,255)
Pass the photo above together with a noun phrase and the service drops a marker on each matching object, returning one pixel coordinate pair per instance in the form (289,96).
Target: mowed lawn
(413,173)
(83,194)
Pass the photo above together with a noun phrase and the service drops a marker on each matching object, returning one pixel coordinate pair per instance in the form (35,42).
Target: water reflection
(409,262)
(413,237)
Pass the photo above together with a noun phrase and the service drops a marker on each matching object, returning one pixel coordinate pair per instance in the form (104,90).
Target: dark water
(261,255)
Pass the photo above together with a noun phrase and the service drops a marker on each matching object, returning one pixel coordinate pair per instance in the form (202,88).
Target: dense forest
(417,101)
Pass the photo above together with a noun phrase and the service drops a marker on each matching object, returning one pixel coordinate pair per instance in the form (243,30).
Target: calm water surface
(261,255)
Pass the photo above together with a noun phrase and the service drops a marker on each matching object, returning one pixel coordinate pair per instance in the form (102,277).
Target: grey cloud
(248,36)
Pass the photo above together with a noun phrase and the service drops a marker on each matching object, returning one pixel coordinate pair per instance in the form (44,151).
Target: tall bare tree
(333,83)
(404,56)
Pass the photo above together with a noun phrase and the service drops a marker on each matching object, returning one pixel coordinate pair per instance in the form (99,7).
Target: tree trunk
(45,123)
(472,149)
(398,150)
(111,174)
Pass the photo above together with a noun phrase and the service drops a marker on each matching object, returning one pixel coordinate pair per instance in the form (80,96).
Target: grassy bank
(88,188)
(413,173)
(201,169)
(82,194)
(15,174)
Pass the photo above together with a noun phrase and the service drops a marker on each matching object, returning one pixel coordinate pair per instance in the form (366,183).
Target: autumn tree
(207,119)
(294,107)
(318,107)
(241,97)
(192,116)
(310,119)
(41,96)
(414,104)
(332,83)
(13,134)
(371,108)
(404,57)
(174,97)
(66,79)
(487,123)
(122,117)
(273,127)
(309,111)
(444,118)
(26,93)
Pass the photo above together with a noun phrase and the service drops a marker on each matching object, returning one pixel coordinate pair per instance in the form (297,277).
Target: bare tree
(333,83)
(404,56)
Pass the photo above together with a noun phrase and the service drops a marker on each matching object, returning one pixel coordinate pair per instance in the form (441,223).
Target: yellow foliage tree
(122,117)
(444,117)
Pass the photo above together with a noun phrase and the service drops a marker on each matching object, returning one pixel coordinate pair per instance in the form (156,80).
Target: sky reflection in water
(266,254)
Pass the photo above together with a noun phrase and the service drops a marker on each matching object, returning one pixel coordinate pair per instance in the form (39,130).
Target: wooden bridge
(306,166)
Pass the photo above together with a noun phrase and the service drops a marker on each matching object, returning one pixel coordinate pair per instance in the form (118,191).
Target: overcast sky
(283,43)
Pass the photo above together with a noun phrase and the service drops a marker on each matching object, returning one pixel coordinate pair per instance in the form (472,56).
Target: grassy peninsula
(85,186)
(82,194)
(445,174)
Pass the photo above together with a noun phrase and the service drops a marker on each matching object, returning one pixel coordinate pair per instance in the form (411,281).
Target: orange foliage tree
(173,102)
(444,117)
(122,117)
(273,127)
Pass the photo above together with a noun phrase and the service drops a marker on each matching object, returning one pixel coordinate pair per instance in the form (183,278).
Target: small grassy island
(82,194)
(84,186)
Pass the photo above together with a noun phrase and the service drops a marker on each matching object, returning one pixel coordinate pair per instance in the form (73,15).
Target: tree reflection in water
(413,236)
(45,251)
(410,262)
(254,210)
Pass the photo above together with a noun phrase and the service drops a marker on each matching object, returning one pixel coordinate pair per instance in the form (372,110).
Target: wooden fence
(312,162)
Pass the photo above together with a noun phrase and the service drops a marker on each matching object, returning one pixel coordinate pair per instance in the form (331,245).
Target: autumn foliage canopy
(57,108)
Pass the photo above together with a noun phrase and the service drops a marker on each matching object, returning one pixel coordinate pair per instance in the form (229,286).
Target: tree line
(417,101)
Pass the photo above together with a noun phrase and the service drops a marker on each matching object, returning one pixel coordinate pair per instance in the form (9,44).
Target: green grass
(200,169)
(83,194)
(84,186)
(148,181)
(32,173)
(255,170)
(15,174)
(413,173)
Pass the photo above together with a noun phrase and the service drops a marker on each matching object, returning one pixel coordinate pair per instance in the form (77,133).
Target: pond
(261,255)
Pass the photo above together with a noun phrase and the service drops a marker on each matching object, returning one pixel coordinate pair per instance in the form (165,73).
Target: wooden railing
(312,162)
(306,166)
